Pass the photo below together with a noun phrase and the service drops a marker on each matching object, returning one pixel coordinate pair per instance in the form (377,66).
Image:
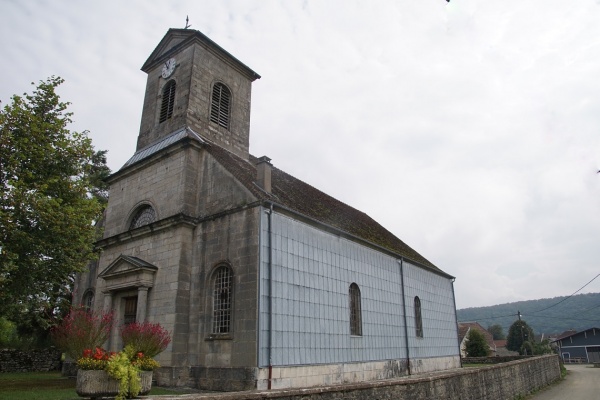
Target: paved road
(582,382)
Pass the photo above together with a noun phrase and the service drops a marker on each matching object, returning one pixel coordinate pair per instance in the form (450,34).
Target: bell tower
(194,83)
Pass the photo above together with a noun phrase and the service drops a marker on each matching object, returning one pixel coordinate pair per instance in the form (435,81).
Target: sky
(469,129)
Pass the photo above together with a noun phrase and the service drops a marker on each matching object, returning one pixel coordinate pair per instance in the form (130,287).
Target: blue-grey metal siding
(312,272)
(437,310)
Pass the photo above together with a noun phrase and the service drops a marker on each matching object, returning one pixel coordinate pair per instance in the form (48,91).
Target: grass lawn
(46,386)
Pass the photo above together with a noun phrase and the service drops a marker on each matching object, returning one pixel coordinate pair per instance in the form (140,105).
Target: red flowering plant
(81,330)
(147,340)
(97,359)
(144,362)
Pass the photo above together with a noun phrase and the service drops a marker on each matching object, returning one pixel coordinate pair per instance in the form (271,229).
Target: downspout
(401,262)
(270,268)
(456,320)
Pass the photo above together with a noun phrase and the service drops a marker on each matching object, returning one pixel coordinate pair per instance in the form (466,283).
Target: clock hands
(168,67)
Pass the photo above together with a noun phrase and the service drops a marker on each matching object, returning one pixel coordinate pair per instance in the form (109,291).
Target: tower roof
(176,39)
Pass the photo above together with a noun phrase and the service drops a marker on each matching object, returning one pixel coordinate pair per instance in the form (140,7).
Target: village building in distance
(579,347)
(262,280)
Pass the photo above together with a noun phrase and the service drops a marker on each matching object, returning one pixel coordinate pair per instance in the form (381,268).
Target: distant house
(554,338)
(564,334)
(582,346)
(463,333)
(501,349)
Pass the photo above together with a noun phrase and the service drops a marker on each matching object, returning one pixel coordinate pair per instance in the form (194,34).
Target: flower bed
(98,383)
(122,374)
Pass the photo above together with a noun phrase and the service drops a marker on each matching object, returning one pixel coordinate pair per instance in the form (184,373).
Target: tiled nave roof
(305,199)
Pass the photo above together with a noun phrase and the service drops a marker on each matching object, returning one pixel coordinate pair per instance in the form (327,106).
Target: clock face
(168,68)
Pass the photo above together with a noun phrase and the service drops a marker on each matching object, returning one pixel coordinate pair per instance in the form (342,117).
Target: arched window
(144,216)
(222,300)
(168,100)
(418,318)
(355,310)
(88,301)
(220,105)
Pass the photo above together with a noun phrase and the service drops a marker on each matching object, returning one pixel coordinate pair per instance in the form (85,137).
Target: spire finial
(187,20)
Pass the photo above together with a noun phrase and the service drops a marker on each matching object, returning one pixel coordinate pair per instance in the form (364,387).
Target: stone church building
(262,280)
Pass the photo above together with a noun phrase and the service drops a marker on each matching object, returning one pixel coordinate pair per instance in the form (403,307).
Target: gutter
(270,305)
(456,322)
(401,262)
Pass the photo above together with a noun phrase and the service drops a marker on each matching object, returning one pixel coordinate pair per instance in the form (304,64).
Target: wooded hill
(548,316)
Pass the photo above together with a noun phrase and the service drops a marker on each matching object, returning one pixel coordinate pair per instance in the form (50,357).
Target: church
(264,281)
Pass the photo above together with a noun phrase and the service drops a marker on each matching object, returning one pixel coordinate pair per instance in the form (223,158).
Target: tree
(51,196)
(542,347)
(519,337)
(476,345)
(8,334)
(496,331)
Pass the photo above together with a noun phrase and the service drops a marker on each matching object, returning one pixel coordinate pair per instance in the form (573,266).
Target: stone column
(107,302)
(142,305)
(107,308)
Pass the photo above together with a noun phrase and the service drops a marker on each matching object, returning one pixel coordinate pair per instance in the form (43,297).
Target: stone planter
(94,384)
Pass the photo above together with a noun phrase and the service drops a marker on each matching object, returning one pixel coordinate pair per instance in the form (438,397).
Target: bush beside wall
(30,361)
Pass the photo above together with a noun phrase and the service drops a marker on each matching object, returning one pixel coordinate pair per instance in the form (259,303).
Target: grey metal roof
(163,143)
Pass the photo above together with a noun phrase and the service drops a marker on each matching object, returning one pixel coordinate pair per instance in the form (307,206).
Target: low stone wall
(30,361)
(492,360)
(494,382)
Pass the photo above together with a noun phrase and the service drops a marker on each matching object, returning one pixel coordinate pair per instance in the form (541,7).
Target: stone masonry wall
(495,382)
(29,361)
(492,360)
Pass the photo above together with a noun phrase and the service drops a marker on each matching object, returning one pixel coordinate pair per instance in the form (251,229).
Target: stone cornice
(146,230)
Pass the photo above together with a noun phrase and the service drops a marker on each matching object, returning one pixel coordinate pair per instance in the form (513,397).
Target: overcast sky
(469,129)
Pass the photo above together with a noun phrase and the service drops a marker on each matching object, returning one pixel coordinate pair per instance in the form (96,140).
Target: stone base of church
(302,376)
(222,379)
(330,374)
(423,365)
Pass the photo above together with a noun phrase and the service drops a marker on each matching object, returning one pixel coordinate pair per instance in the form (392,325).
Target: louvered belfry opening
(222,300)
(168,100)
(220,105)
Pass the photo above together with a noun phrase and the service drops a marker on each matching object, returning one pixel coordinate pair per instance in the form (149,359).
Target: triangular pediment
(128,272)
(168,45)
(178,39)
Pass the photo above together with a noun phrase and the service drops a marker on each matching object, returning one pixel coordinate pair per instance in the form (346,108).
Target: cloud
(469,129)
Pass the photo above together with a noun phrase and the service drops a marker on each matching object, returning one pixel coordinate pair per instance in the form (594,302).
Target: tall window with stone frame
(168,101)
(220,106)
(88,301)
(355,310)
(144,215)
(222,299)
(418,318)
